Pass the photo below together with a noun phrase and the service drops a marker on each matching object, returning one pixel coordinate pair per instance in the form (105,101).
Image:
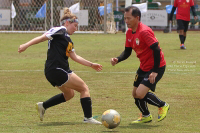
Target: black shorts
(141,77)
(182,25)
(58,76)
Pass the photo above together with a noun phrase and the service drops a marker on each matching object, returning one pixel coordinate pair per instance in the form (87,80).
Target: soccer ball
(111,118)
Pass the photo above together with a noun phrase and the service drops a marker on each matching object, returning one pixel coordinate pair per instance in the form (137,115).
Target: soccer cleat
(162,112)
(182,46)
(41,110)
(143,119)
(91,121)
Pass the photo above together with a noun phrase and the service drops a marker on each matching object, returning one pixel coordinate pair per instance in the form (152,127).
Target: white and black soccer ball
(111,118)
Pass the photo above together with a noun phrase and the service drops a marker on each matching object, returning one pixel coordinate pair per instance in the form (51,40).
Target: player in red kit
(142,40)
(183,17)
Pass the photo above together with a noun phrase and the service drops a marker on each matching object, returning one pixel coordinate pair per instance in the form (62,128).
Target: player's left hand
(96,66)
(152,77)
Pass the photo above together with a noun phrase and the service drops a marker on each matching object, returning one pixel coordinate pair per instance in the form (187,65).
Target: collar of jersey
(66,30)
(64,27)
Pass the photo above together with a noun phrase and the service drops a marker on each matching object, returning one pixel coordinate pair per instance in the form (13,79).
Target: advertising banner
(154,18)
(5,17)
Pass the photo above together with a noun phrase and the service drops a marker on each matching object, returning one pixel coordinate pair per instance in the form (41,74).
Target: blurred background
(41,15)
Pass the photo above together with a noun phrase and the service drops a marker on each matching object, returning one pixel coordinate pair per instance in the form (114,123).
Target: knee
(72,94)
(85,88)
(69,95)
(84,91)
(138,95)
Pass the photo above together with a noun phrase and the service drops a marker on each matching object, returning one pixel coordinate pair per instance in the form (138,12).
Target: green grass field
(23,84)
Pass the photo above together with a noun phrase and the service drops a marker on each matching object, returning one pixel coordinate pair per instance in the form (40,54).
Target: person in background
(57,70)
(142,40)
(183,17)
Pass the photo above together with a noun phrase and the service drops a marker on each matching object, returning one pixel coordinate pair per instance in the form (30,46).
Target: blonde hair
(68,15)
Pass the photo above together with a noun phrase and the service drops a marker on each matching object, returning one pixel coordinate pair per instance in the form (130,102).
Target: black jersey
(59,47)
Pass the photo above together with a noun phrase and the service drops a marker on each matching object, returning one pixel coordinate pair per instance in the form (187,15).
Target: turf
(23,84)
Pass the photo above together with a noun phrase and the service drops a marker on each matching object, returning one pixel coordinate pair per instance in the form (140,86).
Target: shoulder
(146,33)
(144,29)
(191,2)
(56,29)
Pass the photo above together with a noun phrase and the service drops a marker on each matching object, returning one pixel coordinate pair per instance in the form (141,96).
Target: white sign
(4,17)
(142,7)
(128,3)
(154,18)
(82,17)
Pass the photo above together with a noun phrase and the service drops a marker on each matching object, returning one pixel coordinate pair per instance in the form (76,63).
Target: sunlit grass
(22,84)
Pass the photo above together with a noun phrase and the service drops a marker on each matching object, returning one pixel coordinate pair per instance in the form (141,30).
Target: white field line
(175,72)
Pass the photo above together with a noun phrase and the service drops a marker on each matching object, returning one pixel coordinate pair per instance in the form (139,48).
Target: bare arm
(35,40)
(85,62)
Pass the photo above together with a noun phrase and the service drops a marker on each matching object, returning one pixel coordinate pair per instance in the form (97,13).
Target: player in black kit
(57,71)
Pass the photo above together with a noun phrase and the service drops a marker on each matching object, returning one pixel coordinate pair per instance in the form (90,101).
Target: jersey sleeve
(54,32)
(70,45)
(148,37)
(70,48)
(175,3)
(191,3)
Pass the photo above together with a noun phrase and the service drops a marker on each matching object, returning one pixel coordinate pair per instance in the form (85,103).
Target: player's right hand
(96,66)
(22,48)
(114,61)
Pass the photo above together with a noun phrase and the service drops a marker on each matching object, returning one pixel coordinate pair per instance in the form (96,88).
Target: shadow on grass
(58,123)
(111,131)
(139,126)
(133,126)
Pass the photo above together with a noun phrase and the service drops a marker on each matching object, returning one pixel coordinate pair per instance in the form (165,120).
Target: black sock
(57,99)
(184,39)
(86,106)
(142,105)
(181,37)
(154,100)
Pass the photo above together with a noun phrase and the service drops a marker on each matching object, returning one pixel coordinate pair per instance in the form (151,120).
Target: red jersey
(141,41)
(183,11)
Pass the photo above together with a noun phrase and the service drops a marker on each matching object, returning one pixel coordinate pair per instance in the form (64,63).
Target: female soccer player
(142,40)
(57,70)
